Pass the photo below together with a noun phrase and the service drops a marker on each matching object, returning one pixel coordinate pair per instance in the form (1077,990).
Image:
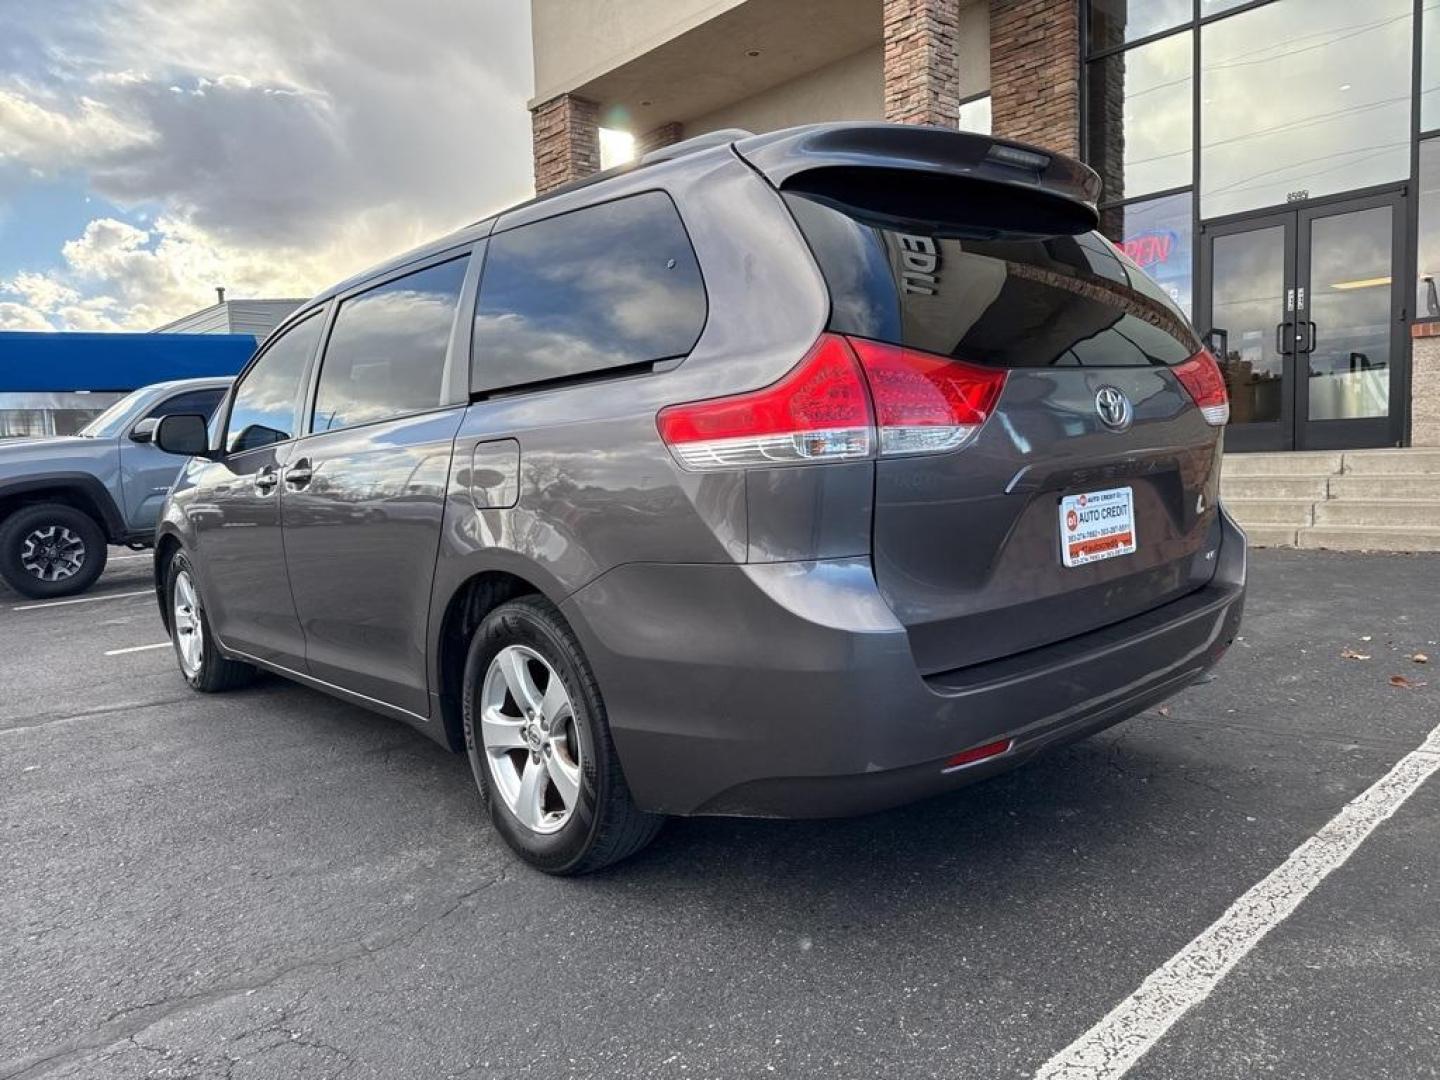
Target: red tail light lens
(848,398)
(820,411)
(926,403)
(1201,376)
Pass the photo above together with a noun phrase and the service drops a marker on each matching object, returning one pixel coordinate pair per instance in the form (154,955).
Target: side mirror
(183,433)
(144,431)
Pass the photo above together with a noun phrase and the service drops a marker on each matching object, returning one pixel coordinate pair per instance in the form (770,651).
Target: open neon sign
(1148,248)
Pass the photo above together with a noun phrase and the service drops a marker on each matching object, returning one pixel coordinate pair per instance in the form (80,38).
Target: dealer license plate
(1097,525)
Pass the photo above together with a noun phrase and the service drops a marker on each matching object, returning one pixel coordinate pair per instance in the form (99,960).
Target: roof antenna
(219,294)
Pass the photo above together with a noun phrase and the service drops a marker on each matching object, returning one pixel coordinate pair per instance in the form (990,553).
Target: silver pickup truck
(63,499)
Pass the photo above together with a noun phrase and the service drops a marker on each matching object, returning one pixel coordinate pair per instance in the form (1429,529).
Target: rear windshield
(989,296)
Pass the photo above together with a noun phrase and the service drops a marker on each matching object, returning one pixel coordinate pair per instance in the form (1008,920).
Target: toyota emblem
(1114,408)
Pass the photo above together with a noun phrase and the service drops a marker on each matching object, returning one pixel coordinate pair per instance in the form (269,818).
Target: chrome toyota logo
(1114,408)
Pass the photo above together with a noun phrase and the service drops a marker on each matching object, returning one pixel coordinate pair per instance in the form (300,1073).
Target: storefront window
(1427,299)
(1157,235)
(1430,66)
(1303,98)
(1139,106)
(975,115)
(1114,22)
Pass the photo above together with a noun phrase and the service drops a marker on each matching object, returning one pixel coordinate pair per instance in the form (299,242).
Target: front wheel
(51,550)
(539,744)
(201,662)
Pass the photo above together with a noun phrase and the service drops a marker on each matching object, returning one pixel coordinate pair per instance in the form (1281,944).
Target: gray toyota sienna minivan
(797,474)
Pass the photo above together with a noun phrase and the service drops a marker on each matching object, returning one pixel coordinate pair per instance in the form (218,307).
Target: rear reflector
(1201,376)
(978,753)
(847,398)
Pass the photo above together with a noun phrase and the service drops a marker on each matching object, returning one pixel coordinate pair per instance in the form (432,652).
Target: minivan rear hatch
(1090,494)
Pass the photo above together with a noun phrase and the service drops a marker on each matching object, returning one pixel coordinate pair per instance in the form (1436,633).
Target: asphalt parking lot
(274,884)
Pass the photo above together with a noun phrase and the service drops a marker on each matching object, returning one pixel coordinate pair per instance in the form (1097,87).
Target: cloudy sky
(153,149)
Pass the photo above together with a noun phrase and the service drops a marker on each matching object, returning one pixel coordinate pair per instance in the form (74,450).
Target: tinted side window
(386,354)
(598,288)
(264,408)
(202,402)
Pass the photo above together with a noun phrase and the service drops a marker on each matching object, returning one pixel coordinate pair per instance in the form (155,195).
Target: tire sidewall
(521,624)
(178,563)
(24,521)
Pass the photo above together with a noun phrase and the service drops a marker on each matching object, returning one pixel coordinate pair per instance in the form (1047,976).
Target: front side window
(265,406)
(603,287)
(196,402)
(386,354)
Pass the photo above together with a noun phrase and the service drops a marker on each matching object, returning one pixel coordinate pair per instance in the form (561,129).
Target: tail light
(1201,376)
(847,398)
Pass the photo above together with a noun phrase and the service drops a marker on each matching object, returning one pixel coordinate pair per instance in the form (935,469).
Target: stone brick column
(664,135)
(1425,384)
(922,81)
(566,132)
(1035,72)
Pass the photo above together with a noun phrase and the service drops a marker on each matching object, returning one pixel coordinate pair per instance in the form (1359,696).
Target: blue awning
(39,361)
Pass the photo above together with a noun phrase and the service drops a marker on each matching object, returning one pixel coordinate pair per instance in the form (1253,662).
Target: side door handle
(266,479)
(298,475)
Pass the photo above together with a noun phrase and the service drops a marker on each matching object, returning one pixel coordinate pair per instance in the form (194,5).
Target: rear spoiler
(844,161)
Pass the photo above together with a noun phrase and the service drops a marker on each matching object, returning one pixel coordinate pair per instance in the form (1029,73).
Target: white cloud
(286,145)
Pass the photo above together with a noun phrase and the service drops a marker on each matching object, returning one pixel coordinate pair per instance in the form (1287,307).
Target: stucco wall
(1425,392)
(849,89)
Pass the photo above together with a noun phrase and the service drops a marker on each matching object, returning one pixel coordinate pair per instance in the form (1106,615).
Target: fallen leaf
(1420,658)
(1348,653)
(1404,683)
(1163,710)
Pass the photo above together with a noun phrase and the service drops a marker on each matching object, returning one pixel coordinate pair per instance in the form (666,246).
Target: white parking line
(84,600)
(126,558)
(1112,1046)
(137,648)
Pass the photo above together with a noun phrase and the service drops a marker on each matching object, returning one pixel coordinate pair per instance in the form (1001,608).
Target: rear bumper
(789,689)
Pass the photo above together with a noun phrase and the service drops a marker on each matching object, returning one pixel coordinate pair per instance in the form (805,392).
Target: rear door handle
(298,475)
(266,479)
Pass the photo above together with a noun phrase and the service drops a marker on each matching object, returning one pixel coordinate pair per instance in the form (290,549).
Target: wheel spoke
(556,703)
(529,803)
(564,775)
(501,732)
(516,670)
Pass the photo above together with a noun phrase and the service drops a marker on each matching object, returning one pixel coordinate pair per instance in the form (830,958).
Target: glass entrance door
(1306,319)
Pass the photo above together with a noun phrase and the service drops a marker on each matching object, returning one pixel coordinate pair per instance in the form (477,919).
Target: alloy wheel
(527,726)
(189,630)
(52,553)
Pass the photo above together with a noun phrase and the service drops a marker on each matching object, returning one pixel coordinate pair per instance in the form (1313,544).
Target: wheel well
(74,497)
(164,551)
(467,609)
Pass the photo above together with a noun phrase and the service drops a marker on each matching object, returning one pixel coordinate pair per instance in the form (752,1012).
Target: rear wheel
(51,550)
(201,663)
(540,748)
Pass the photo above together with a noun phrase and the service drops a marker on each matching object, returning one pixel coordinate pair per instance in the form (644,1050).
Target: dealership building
(1268,162)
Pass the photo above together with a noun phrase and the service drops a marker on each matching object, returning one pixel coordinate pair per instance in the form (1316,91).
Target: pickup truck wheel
(51,550)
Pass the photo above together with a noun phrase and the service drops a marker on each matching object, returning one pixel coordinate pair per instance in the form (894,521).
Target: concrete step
(1386,513)
(1389,486)
(1292,512)
(1322,463)
(1270,487)
(1271,535)
(1411,462)
(1369,538)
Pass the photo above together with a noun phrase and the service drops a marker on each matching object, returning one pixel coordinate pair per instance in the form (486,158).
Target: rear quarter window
(609,286)
(990,297)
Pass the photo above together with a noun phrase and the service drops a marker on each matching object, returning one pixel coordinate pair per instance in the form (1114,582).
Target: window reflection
(1247,305)
(265,401)
(1430,66)
(1157,235)
(1427,298)
(1303,98)
(1140,108)
(1350,268)
(1114,22)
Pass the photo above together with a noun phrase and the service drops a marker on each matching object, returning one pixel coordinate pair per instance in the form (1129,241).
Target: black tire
(214,672)
(23,529)
(604,826)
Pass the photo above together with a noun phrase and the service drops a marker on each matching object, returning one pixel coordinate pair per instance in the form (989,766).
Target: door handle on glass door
(298,475)
(1309,345)
(1282,335)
